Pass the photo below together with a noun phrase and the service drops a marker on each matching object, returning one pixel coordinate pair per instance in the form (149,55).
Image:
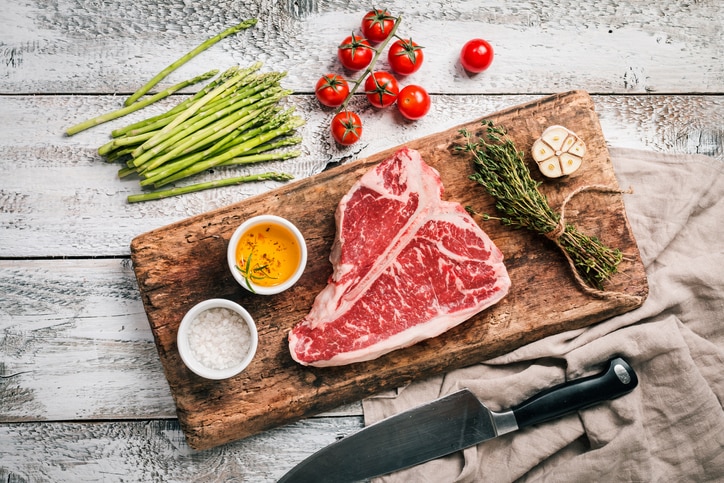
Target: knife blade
(450,424)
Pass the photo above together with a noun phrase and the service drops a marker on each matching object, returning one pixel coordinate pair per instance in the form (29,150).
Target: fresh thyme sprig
(501,169)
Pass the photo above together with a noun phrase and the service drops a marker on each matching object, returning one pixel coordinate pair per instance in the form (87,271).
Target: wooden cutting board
(184,263)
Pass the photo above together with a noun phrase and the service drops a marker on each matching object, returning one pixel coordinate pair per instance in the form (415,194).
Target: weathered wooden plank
(76,344)
(58,192)
(671,124)
(155,451)
(83,46)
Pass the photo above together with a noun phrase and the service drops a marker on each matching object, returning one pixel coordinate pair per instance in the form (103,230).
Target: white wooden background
(82,393)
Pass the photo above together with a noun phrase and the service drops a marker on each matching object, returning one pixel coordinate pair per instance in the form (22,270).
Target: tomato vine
(370,68)
(379,27)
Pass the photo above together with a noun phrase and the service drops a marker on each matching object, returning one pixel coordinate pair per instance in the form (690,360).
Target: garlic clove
(578,149)
(569,163)
(555,136)
(541,151)
(551,168)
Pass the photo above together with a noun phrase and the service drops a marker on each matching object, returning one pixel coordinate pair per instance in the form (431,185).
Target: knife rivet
(622,373)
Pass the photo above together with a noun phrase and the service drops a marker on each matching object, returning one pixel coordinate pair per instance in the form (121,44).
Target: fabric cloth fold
(671,427)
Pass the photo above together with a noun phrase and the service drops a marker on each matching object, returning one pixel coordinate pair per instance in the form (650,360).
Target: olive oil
(268,254)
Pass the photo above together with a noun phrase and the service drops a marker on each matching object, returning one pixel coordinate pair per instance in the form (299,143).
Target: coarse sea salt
(219,338)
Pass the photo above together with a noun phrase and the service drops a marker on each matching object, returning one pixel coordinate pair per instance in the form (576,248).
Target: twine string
(558,231)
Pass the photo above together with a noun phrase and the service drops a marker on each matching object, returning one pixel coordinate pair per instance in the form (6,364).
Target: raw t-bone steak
(407,266)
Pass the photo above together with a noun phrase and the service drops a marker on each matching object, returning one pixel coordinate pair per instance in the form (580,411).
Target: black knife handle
(617,380)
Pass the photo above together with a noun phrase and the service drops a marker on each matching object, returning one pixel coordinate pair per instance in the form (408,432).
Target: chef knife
(449,424)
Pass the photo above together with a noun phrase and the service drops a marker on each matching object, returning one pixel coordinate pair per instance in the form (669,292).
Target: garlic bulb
(558,152)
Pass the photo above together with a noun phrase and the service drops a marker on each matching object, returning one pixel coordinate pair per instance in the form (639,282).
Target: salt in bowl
(217,339)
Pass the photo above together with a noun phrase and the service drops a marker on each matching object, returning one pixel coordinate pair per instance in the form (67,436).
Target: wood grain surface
(182,264)
(632,47)
(83,396)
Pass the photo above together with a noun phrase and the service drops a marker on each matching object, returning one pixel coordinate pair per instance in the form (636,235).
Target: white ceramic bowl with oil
(220,351)
(278,254)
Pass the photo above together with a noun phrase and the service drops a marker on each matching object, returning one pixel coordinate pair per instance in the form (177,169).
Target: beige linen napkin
(671,427)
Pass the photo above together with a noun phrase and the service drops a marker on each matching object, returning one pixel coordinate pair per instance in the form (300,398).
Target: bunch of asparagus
(235,119)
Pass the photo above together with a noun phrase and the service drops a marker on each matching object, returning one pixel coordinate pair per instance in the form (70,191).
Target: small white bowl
(233,262)
(225,343)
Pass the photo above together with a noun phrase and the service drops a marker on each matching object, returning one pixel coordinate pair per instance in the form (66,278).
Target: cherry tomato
(355,53)
(413,102)
(377,25)
(405,56)
(381,88)
(346,128)
(476,55)
(331,90)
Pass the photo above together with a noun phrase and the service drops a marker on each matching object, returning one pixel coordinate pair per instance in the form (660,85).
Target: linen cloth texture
(671,427)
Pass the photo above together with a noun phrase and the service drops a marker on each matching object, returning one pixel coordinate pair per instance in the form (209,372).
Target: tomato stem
(382,89)
(370,68)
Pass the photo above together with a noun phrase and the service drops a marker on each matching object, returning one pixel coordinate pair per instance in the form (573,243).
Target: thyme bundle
(501,169)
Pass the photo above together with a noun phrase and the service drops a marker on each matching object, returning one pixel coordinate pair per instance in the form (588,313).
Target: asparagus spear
(247,158)
(138,133)
(124,142)
(157,176)
(139,105)
(190,55)
(260,158)
(164,133)
(202,132)
(233,152)
(157,195)
(203,138)
(251,130)
(143,126)
(255,153)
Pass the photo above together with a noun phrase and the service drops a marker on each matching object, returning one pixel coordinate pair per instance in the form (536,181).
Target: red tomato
(346,128)
(476,55)
(377,25)
(355,53)
(405,56)
(381,88)
(331,90)
(413,102)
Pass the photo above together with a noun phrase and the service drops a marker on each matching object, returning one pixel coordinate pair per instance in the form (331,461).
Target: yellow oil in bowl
(268,253)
